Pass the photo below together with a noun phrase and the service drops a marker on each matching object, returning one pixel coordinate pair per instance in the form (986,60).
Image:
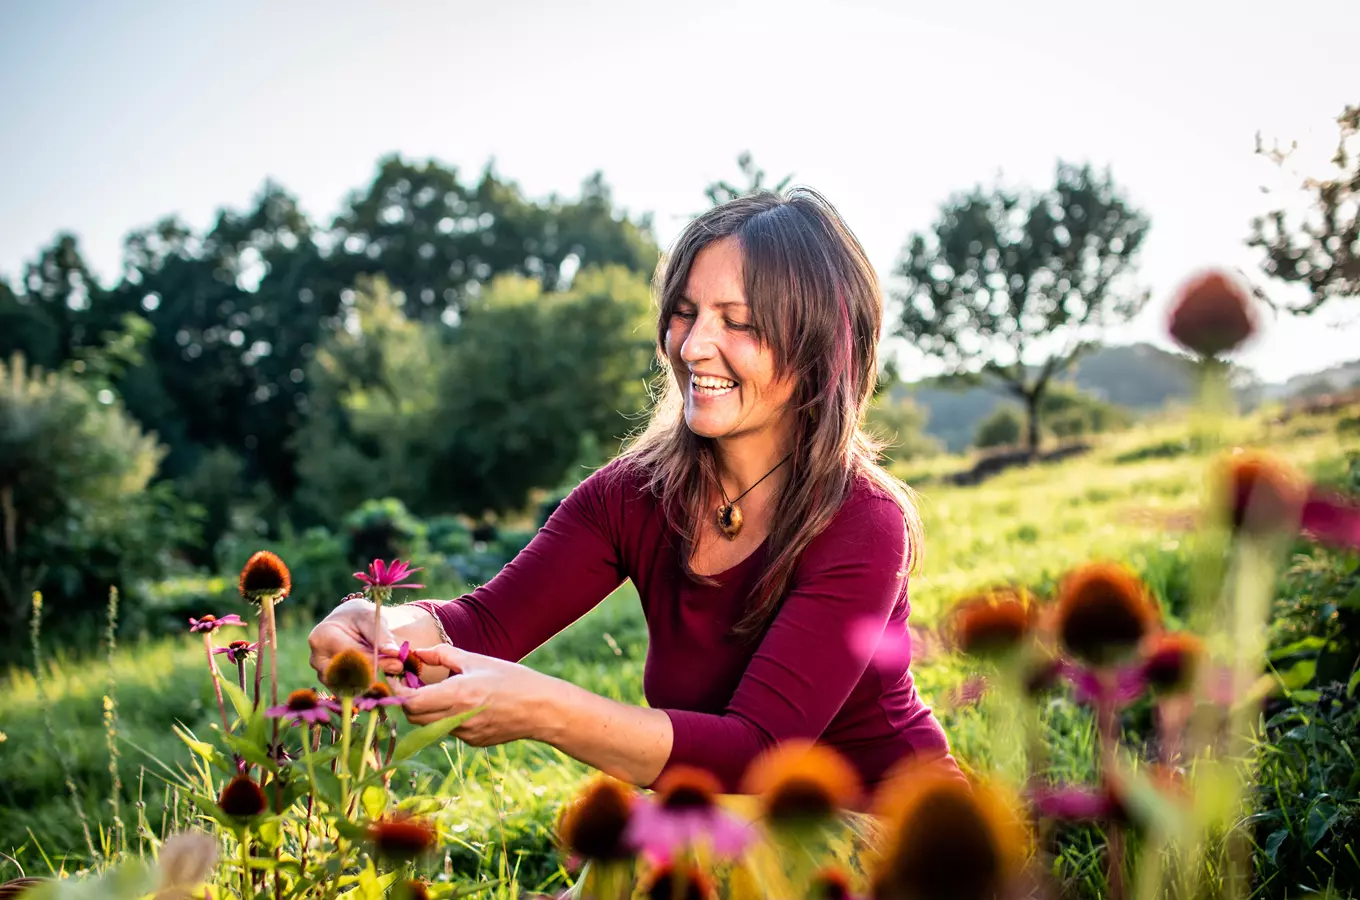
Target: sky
(115,115)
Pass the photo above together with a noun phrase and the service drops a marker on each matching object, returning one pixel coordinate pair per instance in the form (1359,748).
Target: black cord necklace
(729,514)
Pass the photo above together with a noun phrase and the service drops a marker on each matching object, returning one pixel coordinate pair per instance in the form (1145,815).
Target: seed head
(349,673)
(1265,493)
(679,882)
(265,577)
(594,824)
(801,782)
(990,624)
(242,798)
(687,787)
(401,837)
(1103,612)
(1212,314)
(1171,661)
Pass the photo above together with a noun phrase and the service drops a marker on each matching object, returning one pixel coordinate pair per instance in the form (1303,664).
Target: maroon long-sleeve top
(812,674)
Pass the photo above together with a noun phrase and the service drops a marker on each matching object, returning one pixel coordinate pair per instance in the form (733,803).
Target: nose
(701,341)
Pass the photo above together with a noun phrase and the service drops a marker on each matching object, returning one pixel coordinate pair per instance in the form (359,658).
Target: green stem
(1107,721)
(217,685)
(245,864)
(377,624)
(368,742)
(346,726)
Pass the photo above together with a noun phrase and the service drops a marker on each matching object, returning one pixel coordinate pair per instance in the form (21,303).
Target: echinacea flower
(211,623)
(1266,496)
(265,577)
(990,624)
(830,884)
(412,890)
(238,651)
(1103,612)
(348,673)
(401,837)
(303,706)
(242,798)
(946,839)
(1212,314)
(411,665)
(378,694)
(387,575)
(594,825)
(679,882)
(802,783)
(1171,661)
(685,812)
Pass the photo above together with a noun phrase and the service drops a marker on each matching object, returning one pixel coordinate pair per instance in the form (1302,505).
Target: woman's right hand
(350,627)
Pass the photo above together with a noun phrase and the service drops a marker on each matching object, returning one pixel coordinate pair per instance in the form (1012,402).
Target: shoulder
(604,493)
(869,526)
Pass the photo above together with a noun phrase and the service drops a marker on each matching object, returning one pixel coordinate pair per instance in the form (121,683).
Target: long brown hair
(815,301)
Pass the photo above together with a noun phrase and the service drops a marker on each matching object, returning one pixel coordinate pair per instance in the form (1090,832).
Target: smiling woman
(764,539)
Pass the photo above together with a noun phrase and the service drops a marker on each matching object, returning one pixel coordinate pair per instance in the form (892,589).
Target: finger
(433,700)
(319,661)
(446,655)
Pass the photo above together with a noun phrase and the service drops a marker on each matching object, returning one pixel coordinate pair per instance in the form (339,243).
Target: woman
(769,550)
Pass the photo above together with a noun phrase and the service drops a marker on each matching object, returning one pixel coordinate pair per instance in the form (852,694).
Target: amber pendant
(729,520)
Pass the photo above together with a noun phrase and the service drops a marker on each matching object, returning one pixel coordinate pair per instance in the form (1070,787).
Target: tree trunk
(1032,423)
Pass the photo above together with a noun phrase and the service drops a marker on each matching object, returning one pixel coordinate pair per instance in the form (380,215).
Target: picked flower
(265,577)
(401,837)
(594,825)
(348,673)
(411,666)
(238,651)
(388,575)
(946,839)
(211,623)
(679,882)
(378,694)
(242,798)
(303,706)
(803,783)
(685,812)
(1212,314)
(1103,612)
(990,624)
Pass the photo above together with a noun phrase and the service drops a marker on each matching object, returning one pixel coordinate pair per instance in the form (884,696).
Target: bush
(78,510)
(1001,429)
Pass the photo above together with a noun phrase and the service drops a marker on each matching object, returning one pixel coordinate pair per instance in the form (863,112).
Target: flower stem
(368,742)
(217,685)
(377,624)
(241,672)
(245,864)
(261,636)
(346,726)
(1107,723)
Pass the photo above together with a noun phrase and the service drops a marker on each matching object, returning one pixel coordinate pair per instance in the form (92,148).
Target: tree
(721,191)
(1322,250)
(1014,286)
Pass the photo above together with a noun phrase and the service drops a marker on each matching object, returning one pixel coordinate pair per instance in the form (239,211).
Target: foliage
(723,191)
(1014,286)
(76,508)
(1321,251)
(1002,428)
(901,422)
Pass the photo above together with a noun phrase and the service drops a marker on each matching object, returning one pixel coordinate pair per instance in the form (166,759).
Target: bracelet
(438,623)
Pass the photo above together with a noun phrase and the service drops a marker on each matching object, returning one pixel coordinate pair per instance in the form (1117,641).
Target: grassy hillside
(1025,526)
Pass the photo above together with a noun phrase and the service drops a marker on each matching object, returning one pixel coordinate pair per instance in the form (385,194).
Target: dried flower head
(594,824)
(801,782)
(265,577)
(242,798)
(1265,494)
(947,840)
(1171,661)
(1212,314)
(1103,611)
(401,837)
(687,787)
(679,882)
(990,624)
(349,673)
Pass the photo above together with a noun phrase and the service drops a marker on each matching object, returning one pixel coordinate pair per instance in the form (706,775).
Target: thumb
(446,655)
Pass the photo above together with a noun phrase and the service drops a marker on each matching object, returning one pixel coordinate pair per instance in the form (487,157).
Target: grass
(1025,526)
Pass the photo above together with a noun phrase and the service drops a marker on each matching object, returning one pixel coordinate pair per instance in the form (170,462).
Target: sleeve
(805,666)
(572,563)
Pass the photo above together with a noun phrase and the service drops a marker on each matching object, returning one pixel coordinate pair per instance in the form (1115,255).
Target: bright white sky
(116,114)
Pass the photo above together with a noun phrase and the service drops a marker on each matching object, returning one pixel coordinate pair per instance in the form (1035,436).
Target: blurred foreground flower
(684,813)
(830,884)
(990,624)
(679,882)
(946,839)
(348,673)
(185,861)
(242,798)
(802,783)
(1212,314)
(1103,612)
(594,825)
(1266,495)
(401,838)
(265,577)
(303,705)
(211,623)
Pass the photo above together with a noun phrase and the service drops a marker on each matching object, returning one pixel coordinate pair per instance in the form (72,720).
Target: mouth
(711,386)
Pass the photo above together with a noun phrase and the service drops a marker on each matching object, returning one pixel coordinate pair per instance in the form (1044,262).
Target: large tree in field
(1322,249)
(1013,286)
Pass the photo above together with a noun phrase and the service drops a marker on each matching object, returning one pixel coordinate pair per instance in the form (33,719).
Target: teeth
(707,381)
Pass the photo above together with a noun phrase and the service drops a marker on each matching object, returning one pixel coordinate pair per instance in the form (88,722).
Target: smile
(709,386)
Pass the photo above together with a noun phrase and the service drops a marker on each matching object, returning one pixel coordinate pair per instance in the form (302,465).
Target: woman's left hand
(511,696)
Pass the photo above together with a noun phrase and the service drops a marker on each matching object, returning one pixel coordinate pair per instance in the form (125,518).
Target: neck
(743,461)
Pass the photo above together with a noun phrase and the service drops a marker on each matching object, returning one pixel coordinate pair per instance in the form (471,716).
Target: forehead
(716,276)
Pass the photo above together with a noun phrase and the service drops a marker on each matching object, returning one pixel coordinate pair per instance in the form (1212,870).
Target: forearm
(631,743)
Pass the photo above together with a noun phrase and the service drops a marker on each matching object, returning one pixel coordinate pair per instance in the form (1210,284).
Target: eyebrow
(725,304)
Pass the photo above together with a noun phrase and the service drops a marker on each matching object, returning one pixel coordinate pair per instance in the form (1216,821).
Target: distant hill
(1140,377)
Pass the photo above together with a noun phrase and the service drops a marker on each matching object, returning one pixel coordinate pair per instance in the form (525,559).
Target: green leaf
(203,749)
(374,800)
(1354,683)
(1273,844)
(413,742)
(327,786)
(209,806)
(251,753)
(1305,696)
(239,700)
(1305,645)
(1298,675)
(1321,818)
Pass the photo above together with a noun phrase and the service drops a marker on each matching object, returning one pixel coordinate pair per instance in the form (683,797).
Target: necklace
(729,514)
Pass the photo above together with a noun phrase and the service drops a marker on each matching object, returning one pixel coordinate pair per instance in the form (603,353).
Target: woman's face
(725,372)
